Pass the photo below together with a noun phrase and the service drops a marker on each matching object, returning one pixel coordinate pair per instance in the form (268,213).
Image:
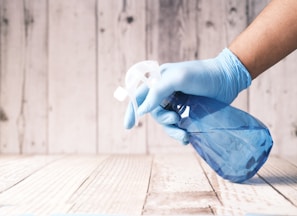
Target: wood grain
(119,186)
(121,43)
(253,196)
(16,169)
(35,95)
(60,62)
(12,77)
(47,190)
(171,36)
(172,184)
(23,76)
(178,186)
(72,76)
(282,176)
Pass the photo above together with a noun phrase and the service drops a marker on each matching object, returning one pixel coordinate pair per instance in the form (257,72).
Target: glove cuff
(236,74)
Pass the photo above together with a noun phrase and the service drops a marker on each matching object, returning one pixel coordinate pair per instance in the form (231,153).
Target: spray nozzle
(146,72)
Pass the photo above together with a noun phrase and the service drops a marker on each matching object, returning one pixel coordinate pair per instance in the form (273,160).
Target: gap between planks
(175,184)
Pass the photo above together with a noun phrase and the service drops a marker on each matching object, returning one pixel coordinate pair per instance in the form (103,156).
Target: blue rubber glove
(220,78)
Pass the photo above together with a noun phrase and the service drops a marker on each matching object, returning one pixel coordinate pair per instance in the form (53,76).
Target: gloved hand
(221,78)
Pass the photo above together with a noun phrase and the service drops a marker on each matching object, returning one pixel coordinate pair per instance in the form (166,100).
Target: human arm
(269,38)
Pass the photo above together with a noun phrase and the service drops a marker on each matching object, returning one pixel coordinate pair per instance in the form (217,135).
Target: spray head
(146,72)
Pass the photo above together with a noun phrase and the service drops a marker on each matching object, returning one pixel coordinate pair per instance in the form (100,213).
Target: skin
(269,38)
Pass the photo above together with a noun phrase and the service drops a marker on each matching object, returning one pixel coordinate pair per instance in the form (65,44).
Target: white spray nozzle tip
(120,93)
(145,72)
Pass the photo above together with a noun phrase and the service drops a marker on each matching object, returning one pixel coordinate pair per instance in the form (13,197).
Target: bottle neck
(176,102)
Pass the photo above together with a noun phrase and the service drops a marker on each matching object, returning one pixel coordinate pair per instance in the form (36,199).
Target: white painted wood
(35,77)
(121,43)
(118,187)
(171,37)
(254,7)
(179,186)
(291,159)
(177,173)
(282,175)
(48,190)
(171,32)
(72,76)
(15,169)
(23,76)
(172,184)
(255,196)
(12,77)
(218,24)
(60,62)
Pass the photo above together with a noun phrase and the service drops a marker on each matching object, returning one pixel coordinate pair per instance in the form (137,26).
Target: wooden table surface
(175,184)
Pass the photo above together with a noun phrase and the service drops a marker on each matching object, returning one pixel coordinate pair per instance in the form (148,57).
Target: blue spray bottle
(233,143)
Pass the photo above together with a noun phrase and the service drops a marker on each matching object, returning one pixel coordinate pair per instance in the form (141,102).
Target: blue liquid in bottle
(234,143)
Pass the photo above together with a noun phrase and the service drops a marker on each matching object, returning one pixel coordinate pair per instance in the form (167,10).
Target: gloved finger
(177,133)
(165,117)
(140,95)
(129,118)
(155,96)
(174,77)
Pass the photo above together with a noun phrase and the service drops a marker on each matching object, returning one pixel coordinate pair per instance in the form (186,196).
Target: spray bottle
(232,142)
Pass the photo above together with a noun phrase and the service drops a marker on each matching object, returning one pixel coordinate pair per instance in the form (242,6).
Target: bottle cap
(146,72)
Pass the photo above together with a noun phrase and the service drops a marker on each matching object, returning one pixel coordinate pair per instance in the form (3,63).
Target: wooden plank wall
(60,62)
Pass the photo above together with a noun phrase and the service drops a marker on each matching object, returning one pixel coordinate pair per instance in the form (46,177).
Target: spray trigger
(144,72)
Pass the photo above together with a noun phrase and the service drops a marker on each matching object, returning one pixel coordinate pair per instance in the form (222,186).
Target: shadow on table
(259,179)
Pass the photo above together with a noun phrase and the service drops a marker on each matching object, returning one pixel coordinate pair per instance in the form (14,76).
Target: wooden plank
(12,76)
(254,8)
(121,43)
(179,186)
(171,32)
(35,98)
(253,196)
(72,76)
(218,24)
(282,176)
(292,160)
(48,191)
(15,169)
(118,187)
(172,184)
(23,83)
(171,36)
